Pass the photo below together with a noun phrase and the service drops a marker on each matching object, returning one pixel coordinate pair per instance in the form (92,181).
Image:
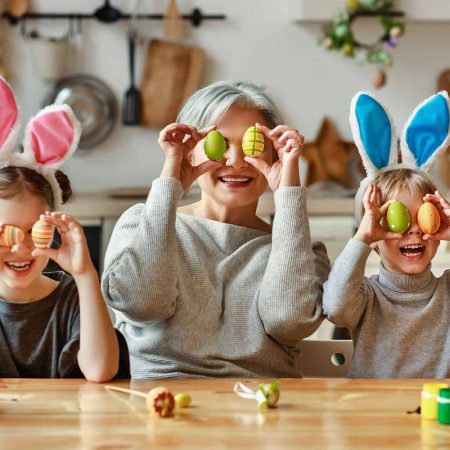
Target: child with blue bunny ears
(400,318)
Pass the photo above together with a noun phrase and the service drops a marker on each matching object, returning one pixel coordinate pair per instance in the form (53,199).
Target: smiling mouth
(19,266)
(412,250)
(235,180)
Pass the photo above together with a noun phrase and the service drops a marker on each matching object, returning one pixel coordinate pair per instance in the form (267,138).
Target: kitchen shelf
(324,10)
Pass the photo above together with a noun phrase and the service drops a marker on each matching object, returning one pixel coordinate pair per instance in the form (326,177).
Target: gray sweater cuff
(165,192)
(359,250)
(290,196)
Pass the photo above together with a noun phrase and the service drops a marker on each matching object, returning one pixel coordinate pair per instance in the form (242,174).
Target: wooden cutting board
(172,73)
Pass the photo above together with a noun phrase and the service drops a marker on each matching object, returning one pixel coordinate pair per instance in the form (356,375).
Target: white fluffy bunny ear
(9,120)
(426,132)
(51,137)
(373,133)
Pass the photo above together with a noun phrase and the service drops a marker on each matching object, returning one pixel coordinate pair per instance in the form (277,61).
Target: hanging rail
(196,17)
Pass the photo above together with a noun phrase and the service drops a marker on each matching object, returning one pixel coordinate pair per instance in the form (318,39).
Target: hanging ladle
(107,13)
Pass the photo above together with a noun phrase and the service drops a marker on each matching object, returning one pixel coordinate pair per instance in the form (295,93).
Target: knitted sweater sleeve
(289,299)
(347,291)
(140,275)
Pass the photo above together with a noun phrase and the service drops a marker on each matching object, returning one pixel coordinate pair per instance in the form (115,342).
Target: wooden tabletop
(312,413)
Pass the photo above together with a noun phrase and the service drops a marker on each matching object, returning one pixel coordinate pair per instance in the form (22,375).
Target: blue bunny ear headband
(425,135)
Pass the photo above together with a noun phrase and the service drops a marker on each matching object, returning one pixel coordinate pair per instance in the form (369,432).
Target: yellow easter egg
(11,236)
(42,234)
(182,400)
(253,142)
(428,218)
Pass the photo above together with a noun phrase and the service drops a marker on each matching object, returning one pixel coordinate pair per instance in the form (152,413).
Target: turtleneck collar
(406,283)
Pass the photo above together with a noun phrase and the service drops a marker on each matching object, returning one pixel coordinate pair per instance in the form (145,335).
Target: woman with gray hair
(210,289)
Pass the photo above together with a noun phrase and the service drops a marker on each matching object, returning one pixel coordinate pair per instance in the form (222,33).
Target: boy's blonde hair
(413,181)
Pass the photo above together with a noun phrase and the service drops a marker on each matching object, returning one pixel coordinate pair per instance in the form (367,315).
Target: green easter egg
(215,146)
(398,217)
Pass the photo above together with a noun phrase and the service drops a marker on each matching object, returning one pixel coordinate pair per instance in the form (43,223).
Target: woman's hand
(370,229)
(177,148)
(443,207)
(288,144)
(73,254)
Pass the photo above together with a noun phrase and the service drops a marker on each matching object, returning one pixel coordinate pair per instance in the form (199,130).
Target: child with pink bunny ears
(51,325)
(400,318)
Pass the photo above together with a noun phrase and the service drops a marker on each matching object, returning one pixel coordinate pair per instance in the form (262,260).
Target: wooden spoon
(17,8)
(173,22)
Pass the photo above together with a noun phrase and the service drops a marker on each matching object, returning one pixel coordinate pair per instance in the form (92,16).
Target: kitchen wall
(258,43)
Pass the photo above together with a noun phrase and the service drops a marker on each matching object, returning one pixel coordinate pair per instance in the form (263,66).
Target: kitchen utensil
(49,56)
(92,101)
(107,13)
(132,105)
(173,21)
(17,8)
(172,73)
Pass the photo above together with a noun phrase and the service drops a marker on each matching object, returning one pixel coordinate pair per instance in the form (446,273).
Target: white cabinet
(323,10)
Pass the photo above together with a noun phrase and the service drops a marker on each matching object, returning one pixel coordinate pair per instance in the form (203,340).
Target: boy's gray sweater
(400,324)
(195,297)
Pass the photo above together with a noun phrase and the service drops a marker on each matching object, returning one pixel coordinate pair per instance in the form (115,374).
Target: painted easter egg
(398,217)
(428,218)
(42,234)
(253,142)
(11,236)
(160,402)
(182,400)
(215,146)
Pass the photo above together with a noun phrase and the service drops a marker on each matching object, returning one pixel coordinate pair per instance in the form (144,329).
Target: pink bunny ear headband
(51,137)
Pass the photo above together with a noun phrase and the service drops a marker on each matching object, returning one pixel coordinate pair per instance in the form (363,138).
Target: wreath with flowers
(338,34)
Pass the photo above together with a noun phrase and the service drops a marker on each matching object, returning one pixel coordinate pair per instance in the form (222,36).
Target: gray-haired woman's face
(236,183)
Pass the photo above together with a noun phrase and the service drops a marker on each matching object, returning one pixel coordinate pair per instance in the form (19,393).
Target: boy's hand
(288,143)
(443,207)
(73,254)
(371,230)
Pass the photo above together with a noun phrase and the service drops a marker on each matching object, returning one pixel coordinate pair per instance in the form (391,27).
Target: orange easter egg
(42,234)
(428,218)
(160,402)
(11,236)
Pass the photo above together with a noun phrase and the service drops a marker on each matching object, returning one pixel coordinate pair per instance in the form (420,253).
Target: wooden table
(313,413)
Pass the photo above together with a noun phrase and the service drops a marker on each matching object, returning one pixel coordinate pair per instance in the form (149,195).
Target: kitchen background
(271,43)
(259,41)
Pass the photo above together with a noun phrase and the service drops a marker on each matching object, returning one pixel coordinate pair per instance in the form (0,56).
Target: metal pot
(92,101)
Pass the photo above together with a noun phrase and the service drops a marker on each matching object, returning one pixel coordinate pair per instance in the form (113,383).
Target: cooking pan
(92,101)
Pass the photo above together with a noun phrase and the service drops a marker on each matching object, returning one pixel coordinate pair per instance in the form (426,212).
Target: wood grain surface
(312,413)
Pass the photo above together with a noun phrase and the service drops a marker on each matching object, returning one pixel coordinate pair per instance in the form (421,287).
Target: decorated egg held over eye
(11,236)
(215,146)
(42,234)
(398,218)
(253,142)
(428,218)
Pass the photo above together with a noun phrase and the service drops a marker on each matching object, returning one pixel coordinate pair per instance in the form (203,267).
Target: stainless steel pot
(92,101)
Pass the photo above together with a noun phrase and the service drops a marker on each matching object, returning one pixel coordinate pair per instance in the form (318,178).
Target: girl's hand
(288,143)
(443,207)
(177,148)
(73,254)
(371,230)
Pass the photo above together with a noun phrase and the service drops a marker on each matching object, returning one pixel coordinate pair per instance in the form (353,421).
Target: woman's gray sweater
(196,297)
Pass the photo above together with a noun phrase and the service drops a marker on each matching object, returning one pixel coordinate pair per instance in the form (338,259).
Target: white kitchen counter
(103,206)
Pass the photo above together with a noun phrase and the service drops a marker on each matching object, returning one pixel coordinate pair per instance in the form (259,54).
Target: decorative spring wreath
(338,34)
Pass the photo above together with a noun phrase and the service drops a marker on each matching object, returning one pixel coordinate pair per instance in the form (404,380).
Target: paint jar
(443,409)
(428,403)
